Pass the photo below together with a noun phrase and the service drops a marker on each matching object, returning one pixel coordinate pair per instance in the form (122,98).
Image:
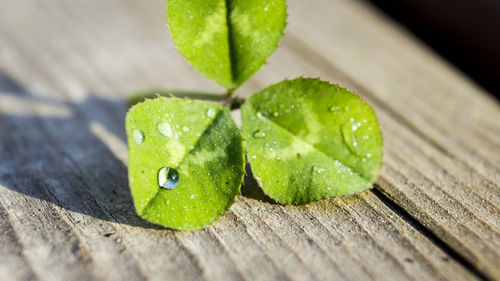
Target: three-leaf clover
(305,139)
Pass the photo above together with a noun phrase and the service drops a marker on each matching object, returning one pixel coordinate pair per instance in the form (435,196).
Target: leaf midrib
(219,113)
(286,130)
(232,53)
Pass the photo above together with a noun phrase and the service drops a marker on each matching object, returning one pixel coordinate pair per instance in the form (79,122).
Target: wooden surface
(66,69)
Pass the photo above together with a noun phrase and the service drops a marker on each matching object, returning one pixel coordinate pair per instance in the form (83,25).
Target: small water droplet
(319,170)
(253,157)
(138,136)
(259,134)
(333,108)
(165,129)
(168,178)
(276,114)
(279,159)
(192,196)
(185,129)
(211,112)
(349,138)
(260,115)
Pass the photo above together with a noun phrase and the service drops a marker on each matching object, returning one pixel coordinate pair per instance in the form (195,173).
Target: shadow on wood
(58,156)
(60,159)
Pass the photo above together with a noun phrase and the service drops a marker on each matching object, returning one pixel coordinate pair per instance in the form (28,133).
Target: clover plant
(305,139)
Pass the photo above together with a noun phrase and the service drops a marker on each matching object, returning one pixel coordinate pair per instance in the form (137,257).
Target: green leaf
(186,161)
(308,140)
(141,96)
(227,40)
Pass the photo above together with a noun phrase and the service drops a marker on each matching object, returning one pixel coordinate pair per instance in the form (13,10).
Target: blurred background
(465,32)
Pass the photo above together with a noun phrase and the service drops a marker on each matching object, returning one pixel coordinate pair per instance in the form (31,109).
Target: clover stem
(233,102)
(230,93)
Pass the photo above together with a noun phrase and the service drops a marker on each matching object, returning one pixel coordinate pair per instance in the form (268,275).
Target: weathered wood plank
(459,172)
(65,154)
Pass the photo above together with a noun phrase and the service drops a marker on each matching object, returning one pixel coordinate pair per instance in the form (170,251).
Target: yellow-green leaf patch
(227,40)
(186,161)
(308,140)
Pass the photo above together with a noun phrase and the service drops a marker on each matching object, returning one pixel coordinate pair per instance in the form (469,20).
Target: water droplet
(138,136)
(333,108)
(349,138)
(276,114)
(168,178)
(165,129)
(253,157)
(260,115)
(185,129)
(319,170)
(211,112)
(259,134)
(279,159)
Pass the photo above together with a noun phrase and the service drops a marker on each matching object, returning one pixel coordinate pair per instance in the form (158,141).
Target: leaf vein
(183,157)
(265,119)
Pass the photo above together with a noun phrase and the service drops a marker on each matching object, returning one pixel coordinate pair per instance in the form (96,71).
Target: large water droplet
(211,112)
(165,129)
(168,178)
(138,136)
(259,134)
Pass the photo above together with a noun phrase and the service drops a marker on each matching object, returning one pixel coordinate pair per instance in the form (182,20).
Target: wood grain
(66,69)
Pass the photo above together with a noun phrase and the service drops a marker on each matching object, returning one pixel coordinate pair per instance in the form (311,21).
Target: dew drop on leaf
(333,108)
(259,134)
(168,178)
(211,112)
(138,136)
(185,129)
(349,138)
(165,129)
